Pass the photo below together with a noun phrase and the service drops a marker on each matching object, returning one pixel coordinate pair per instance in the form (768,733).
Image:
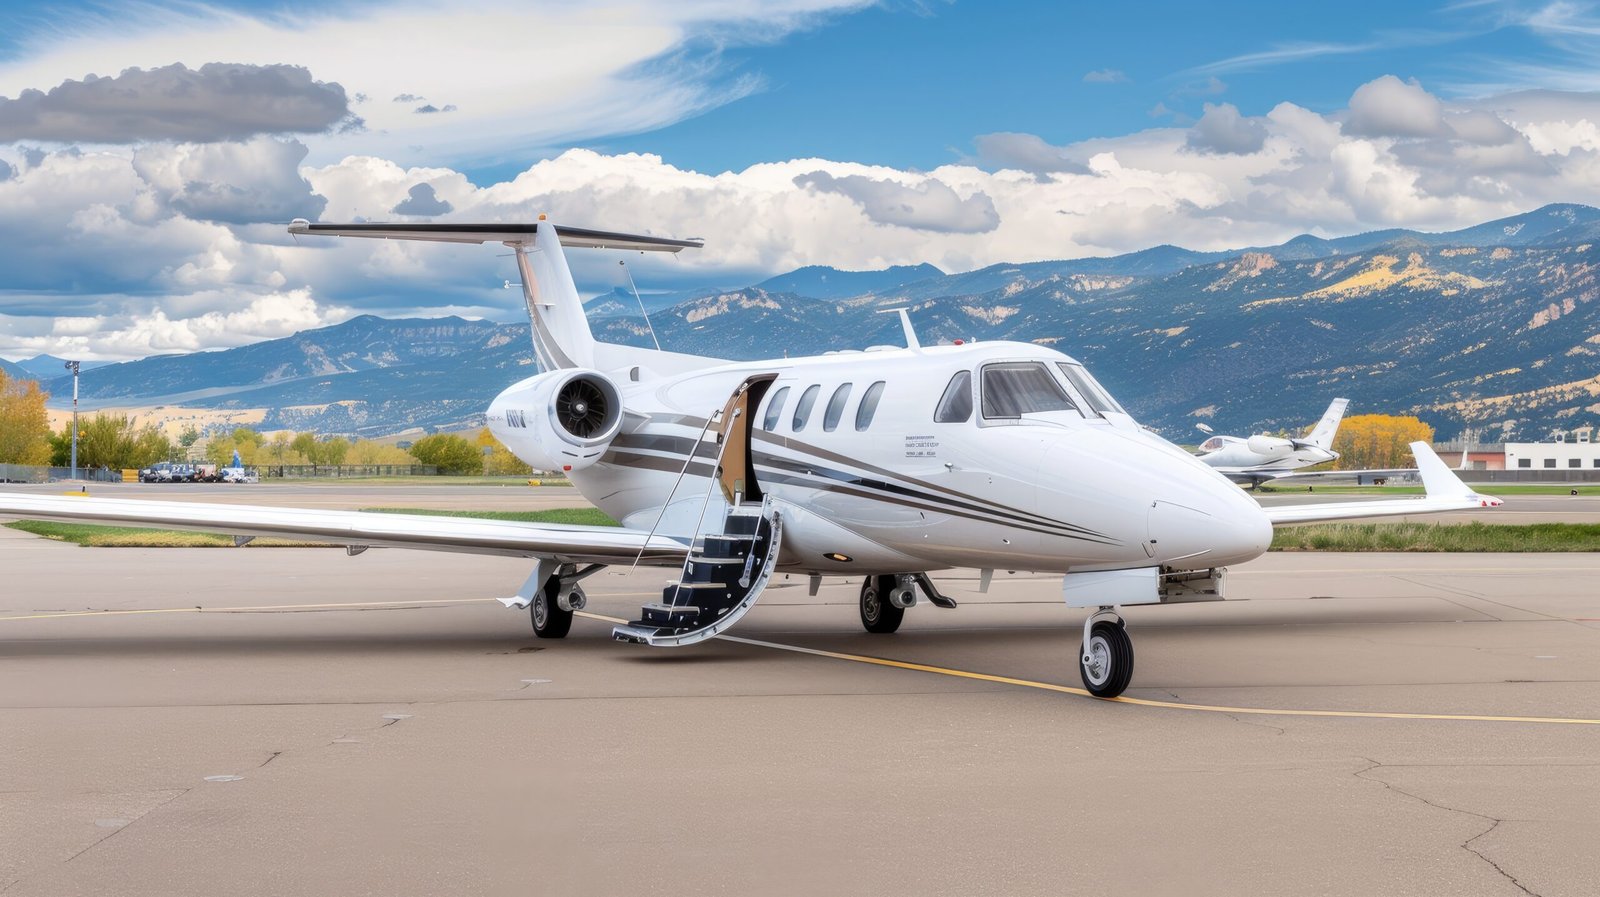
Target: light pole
(73,367)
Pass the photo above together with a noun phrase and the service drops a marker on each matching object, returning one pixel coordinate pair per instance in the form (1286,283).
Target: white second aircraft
(1262,458)
(884,464)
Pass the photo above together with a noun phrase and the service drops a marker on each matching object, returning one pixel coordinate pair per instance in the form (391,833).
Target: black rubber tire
(1119,651)
(877,614)
(549,620)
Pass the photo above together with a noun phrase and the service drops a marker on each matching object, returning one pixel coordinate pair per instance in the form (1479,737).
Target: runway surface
(294,721)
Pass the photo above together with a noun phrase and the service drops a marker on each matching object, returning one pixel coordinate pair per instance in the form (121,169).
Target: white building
(1579,452)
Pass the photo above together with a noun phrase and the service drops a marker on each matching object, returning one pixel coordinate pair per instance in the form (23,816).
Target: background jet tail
(1322,434)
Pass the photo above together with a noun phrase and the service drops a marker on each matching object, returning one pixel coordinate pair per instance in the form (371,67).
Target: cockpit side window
(955,406)
(1092,391)
(775,409)
(1025,387)
(802,409)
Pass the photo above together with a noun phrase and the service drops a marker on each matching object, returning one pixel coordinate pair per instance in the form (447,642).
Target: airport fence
(335,471)
(1530,476)
(28,473)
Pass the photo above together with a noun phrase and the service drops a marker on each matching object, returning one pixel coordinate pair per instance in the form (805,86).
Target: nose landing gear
(1106,662)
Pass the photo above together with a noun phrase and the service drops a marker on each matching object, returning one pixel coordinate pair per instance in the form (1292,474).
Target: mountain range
(1493,327)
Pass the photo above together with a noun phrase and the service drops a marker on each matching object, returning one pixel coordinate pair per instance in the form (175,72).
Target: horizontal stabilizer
(517,234)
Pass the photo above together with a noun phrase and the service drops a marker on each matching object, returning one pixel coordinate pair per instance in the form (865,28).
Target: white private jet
(1262,458)
(884,464)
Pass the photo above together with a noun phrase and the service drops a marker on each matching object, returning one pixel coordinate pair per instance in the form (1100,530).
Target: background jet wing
(568,544)
(1355,477)
(1445,492)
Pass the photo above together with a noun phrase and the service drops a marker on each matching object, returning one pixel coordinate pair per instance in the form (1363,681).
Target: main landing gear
(884,599)
(556,601)
(1106,662)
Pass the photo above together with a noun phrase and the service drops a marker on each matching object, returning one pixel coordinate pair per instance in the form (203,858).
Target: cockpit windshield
(1013,389)
(1090,389)
(1212,444)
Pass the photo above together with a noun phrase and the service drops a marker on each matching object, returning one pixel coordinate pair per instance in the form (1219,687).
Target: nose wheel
(1106,661)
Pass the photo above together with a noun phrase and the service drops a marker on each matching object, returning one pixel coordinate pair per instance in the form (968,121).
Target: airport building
(1566,455)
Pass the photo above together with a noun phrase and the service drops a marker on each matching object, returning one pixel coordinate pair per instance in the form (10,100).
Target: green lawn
(1486,488)
(1449,537)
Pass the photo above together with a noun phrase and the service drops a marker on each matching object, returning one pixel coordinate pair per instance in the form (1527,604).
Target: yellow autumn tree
(1368,441)
(24,426)
(499,462)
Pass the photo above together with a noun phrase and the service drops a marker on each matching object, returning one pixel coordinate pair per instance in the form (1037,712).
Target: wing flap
(569,544)
(1445,492)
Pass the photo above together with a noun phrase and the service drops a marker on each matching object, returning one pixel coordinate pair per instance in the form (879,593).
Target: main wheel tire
(549,620)
(877,614)
(1110,667)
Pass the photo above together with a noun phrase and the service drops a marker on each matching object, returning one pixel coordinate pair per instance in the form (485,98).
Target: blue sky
(784,132)
(909,85)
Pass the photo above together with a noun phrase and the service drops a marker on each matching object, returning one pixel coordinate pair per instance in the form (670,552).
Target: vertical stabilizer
(561,336)
(1322,434)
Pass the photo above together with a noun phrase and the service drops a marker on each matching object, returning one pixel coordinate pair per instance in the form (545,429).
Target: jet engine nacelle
(1272,447)
(559,420)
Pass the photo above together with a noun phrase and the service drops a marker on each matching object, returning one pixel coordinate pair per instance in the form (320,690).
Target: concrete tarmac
(295,721)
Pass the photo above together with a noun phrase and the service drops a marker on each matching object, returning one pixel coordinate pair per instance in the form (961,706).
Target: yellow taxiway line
(862,658)
(1142,702)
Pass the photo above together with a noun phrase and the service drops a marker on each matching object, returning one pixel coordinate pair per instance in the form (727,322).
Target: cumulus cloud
(1105,76)
(422,200)
(217,101)
(1025,152)
(1389,107)
(6,170)
(119,245)
(237,183)
(430,109)
(928,205)
(409,98)
(1221,129)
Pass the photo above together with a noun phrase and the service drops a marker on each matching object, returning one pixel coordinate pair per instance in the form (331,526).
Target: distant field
(92,536)
(523,482)
(1439,537)
(1486,488)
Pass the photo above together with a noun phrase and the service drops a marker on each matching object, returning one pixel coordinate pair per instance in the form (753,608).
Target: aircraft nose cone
(1199,519)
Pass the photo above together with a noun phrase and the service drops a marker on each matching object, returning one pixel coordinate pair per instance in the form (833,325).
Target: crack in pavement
(1494,822)
(107,837)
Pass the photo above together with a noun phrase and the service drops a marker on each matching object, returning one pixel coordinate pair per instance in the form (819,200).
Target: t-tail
(561,335)
(1322,434)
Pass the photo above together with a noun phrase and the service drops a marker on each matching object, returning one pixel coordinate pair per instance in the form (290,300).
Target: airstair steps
(719,584)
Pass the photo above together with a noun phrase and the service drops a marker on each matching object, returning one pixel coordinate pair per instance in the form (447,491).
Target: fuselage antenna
(640,300)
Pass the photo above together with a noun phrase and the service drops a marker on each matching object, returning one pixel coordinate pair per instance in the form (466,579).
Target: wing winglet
(1445,492)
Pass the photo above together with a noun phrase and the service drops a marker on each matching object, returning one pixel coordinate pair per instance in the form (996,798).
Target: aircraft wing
(1361,477)
(566,544)
(1445,492)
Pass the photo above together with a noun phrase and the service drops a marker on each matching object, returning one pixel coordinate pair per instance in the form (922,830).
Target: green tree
(305,444)
(333,451)
(112,440)
(189,436)
(448,452)
(24,426)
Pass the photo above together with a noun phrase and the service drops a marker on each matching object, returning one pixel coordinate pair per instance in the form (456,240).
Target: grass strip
(1438,537)
(96,536)
(1498,489)
(567,516)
